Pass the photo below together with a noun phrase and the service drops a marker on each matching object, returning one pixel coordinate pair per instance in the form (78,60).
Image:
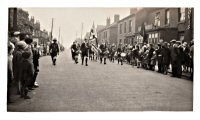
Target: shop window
(156,35)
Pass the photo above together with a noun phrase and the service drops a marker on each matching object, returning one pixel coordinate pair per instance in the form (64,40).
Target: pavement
(97,87)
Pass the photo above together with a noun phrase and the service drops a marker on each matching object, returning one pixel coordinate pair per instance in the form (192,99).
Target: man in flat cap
(54,50)
(159,53)
(174,58)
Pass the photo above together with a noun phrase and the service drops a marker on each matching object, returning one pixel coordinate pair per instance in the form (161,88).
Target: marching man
(74,49)
(54,51)
(103,51)
(84,52)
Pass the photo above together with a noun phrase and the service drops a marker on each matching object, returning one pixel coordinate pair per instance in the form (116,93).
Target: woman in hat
(17,59)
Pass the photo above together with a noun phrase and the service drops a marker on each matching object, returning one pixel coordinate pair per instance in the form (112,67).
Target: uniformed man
(119,51)
(84,52)
(54,51)
(74,49)
(102,53)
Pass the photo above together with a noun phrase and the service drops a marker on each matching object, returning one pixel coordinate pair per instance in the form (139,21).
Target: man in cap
(150,55)
(180,59)
(15,37)
(159,54)
(54,50)
(174,51)
(36,56)
(166,57)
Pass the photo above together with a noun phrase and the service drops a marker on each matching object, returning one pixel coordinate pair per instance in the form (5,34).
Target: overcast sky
(69,19)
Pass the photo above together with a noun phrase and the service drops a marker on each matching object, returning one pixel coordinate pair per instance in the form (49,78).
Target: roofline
(127,17)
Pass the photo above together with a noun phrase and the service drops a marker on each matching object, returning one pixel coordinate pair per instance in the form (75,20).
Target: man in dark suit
(84,52)
(166,57)
(151,50)
(174,57)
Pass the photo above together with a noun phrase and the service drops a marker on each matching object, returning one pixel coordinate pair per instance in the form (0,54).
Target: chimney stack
(108,21)
(116,18)
(133,11)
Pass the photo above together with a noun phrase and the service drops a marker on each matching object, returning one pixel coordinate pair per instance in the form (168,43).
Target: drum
(123,54)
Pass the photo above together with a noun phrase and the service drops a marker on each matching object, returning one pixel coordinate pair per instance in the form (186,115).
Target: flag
(143,32)
(93,35)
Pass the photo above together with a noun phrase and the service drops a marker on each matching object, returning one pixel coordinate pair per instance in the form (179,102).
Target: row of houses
(148,25)
(19,20)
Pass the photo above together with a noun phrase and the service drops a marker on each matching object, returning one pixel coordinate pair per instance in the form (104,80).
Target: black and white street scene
(100,59)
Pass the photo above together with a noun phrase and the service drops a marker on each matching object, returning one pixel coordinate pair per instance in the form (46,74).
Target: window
(167,15)
(181,14)
(153,35)
(150,40)
(156,35)
(157,19)
(120,29)
(130,25)
(125,27)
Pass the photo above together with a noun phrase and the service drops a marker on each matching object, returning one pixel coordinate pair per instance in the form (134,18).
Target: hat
(179,42)
(54,39)
(16,33)
(173,41)
(22,45)
(28,40)
(26,54)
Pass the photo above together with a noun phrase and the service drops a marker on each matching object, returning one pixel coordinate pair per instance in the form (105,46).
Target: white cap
(16,33)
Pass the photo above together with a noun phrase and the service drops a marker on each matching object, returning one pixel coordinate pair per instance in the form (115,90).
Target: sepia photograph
(93,59)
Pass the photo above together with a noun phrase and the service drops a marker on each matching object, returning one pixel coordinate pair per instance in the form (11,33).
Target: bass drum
(123,54)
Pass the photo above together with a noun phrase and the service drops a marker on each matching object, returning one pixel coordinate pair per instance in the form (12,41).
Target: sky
(69,20)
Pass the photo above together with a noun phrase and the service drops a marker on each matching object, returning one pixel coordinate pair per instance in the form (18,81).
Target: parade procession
(142,60)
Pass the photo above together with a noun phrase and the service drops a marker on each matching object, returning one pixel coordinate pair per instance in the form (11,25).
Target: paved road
(98,87)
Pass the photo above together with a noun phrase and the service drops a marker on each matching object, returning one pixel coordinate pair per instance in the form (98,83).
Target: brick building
(163,23)
(126,28)
(108,34)
(19,21)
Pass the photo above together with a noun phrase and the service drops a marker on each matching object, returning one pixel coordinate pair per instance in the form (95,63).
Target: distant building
(108,34)
(126,28)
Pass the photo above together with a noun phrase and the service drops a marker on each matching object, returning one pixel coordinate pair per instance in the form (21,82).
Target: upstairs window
(124,27)
(157,19)
(167,16)
(130,25)
(181,14)
(120,29)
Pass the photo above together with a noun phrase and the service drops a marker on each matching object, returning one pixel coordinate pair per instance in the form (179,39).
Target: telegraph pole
(59,35)
(52,29)
(81,31)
